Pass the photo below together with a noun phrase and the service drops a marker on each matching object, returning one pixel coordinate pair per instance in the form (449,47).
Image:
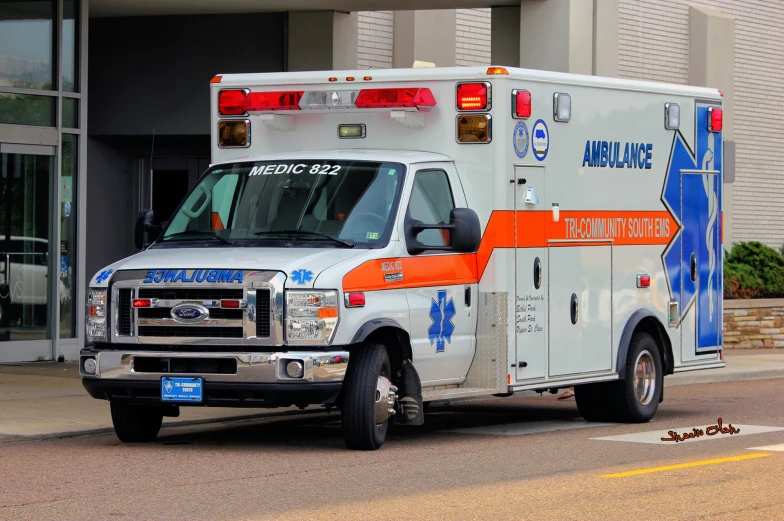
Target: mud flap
(409,410)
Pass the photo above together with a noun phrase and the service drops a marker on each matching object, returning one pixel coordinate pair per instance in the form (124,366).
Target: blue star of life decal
(103,276)
(692,195)
(301,276)
(441,313)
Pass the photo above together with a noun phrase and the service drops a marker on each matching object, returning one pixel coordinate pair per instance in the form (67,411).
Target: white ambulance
(374,240)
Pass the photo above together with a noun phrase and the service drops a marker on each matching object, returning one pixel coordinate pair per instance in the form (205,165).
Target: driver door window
(431,203)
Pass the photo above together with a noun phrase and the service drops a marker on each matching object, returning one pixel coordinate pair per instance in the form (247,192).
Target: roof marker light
(562,107)
(493,71)
(473,96)
(367,78)
(715,119)
(521,104)
(420,99)
(349,78)
(216,79)
(333,79)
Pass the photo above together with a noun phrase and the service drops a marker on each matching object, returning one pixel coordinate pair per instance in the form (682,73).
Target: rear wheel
(368,398)
(637,397)
(135,423)
(593,401)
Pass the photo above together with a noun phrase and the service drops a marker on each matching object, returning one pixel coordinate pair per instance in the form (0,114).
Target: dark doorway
(169,188)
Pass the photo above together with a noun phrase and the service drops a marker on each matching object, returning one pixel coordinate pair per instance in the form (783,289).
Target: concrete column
(322,40)
(557,35)
(505,36)
(712,64)
(605,38)
(426,35)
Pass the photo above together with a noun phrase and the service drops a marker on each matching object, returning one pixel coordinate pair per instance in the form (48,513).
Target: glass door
(26,274)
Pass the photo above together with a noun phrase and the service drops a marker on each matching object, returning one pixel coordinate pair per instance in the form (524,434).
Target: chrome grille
(124,310)
(174,293)
(257,322)
(263,313)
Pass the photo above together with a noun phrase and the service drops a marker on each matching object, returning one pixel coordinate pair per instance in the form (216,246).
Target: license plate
(181,389)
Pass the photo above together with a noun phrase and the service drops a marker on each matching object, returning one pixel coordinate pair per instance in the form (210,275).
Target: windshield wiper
(347,244)
(204,233)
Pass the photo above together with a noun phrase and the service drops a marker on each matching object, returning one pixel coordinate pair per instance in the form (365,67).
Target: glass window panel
(67,258)
(27,44)
(70,113)
(70,46)
(25,219)
(27,109)
(431,202)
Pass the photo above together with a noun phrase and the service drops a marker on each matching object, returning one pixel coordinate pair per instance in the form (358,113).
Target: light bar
(328,99)
(420,99)
(271,101)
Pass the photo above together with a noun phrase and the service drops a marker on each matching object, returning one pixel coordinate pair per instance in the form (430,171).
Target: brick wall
(374,41)
(752,324)
(654,45)
(473,37)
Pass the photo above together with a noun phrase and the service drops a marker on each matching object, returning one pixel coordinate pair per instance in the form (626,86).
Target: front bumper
(230,379)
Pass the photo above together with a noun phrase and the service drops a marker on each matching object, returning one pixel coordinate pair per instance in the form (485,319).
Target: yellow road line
(686,465)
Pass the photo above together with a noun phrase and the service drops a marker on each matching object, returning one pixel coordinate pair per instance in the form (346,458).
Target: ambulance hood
(287,260)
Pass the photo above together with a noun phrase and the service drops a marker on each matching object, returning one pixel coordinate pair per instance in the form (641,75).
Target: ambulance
(375,240)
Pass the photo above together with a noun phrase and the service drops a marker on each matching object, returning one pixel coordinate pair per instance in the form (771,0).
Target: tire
(134,423)
(637,401)
(360,429)
(594,403)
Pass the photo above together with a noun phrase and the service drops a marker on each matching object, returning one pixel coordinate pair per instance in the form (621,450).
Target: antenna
(152,150)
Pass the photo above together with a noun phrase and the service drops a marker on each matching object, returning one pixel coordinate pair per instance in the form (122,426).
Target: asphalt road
(297,468)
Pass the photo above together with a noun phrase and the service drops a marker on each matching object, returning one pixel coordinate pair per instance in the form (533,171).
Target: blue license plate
(181,389)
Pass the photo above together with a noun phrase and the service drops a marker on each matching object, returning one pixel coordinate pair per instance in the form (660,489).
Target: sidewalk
(46,399)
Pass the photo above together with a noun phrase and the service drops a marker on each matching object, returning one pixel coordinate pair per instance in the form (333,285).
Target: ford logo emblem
(189,313)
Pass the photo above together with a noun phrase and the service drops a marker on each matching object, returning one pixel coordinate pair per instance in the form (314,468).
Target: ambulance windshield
(308,203)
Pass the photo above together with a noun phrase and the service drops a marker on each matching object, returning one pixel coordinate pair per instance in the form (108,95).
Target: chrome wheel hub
(385,400)
(644,378)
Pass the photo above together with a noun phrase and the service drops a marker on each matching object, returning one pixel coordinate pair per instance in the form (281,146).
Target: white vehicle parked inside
(449,233)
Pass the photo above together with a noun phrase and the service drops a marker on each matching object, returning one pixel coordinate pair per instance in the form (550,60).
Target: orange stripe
(535,229)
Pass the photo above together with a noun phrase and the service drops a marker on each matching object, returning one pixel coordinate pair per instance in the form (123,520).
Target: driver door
(441,295)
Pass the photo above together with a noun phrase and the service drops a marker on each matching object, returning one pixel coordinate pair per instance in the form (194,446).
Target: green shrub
(753,270)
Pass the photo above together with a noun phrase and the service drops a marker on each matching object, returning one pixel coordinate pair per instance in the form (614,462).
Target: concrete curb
(184,423)
(693,378)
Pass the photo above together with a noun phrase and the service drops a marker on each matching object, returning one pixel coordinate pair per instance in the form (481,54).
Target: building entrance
(26,265)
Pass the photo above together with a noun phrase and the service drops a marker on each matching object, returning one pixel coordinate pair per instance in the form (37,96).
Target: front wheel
(368,398)
(134,423)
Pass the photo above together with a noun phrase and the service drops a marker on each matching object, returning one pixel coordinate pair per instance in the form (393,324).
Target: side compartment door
(580,308)
(440,291)
(530,273)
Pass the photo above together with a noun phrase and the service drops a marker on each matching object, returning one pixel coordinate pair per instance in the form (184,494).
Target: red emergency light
(473,96)
(141,302)
(355,300)
(230,304)
(269,101)
(715,119)
(521,99)
(231,102)
(420,99)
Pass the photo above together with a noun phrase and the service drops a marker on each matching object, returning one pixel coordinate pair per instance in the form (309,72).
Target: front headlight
(96,330)
(311,316)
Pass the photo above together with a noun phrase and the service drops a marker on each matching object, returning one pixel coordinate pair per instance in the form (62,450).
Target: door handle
(693,267)
(468,297)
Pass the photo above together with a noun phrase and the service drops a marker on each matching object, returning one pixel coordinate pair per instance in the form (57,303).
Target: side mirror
(465,232)
(145,231)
